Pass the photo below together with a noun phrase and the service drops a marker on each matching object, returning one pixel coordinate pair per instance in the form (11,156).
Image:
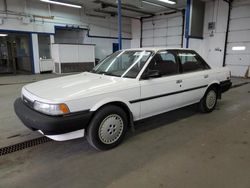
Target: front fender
(109,100)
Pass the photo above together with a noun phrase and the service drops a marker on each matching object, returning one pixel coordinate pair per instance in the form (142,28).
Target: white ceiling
(95,8)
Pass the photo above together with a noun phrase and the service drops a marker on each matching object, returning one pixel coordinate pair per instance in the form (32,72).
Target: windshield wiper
(106,73)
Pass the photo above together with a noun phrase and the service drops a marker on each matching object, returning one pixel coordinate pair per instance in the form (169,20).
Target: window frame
(198,57)
(174,52)
(121,51)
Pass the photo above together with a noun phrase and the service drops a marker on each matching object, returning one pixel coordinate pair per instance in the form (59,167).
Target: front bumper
(225,85)
(51,125)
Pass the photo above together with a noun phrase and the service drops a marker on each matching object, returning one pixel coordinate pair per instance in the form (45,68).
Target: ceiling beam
(113,13)
(124,7)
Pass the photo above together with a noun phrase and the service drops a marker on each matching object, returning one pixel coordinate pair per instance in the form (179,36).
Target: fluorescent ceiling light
(3,35)
(168,1)
(239,48)
(154,4)
(60,3)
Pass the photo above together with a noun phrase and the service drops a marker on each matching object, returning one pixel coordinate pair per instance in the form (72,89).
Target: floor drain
(23,145)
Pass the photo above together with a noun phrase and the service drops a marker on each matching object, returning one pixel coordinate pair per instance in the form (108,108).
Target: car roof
(157,49)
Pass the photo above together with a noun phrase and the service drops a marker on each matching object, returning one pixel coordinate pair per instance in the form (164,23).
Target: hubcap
(111,129)
(211,99)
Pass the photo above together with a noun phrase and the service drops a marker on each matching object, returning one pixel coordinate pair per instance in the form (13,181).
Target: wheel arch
(122,104)
(215,84)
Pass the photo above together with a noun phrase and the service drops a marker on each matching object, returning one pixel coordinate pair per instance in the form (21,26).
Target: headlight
(51,109)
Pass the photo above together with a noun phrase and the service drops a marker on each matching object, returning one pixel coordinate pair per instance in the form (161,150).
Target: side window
(165,63)
(191,62)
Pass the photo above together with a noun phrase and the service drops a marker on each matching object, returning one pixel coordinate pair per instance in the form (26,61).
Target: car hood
(76,86)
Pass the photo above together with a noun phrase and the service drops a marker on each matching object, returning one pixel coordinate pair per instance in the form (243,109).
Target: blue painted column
(119,24)
(188,7)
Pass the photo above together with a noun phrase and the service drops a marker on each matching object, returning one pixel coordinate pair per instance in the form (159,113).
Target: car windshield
(123,63)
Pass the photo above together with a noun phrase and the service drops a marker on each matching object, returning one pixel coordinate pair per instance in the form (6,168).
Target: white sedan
(127,86)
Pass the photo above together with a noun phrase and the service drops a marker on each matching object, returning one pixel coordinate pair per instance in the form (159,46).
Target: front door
(158,94)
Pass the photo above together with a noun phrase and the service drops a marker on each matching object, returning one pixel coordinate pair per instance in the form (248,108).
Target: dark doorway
(15,53)
(115,47)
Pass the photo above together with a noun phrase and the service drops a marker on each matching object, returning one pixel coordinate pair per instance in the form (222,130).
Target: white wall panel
(136,28)
(136,33)
(147,42)
(173,31)
(135,43)
(174,40)
(240,24)
(147,25)
(239,35)
(240,11)
(161,41)
(173,22)
(68,53)
(234,59)
(164,31)
(160,23)
(221,16)
(148,33)
(237,70)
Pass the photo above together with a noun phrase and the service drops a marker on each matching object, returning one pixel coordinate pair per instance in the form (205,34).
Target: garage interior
(42,39)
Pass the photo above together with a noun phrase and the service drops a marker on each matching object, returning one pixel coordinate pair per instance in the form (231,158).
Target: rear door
(194,77)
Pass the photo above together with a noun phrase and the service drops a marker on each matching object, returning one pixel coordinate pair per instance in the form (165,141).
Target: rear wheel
(209,101)
(107,128)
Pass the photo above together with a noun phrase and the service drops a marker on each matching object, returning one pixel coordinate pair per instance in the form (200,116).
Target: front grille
(27,101)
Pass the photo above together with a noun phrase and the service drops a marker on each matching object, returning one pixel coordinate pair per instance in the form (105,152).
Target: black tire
(99,122)
(204,105)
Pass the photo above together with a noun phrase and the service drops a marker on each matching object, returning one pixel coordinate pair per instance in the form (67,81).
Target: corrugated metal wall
(162,31)
(239,35)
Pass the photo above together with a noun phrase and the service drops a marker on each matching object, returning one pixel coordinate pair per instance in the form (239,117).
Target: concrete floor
(182,148)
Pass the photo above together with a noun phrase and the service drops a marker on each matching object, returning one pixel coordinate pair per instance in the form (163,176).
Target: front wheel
(107,128)
(209,101)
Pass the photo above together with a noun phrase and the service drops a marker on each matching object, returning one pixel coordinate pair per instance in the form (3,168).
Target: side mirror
(151,74)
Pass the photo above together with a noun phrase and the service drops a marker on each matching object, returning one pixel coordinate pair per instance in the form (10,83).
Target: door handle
(178,81)
(206,76)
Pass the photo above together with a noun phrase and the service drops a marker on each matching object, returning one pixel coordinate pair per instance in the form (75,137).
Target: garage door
(162,31)
(238,48)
